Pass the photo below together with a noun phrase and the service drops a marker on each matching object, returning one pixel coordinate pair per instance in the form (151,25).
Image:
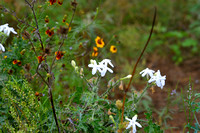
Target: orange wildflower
(52,2)
(40,59)
(60,2)
(14,62)
(37,94)
(68,27)
(95,52)
(99,42)
(113,49)
(49,32)
(18,62)
(59,55)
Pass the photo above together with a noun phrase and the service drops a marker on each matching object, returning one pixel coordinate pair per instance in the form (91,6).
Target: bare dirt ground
(180,74)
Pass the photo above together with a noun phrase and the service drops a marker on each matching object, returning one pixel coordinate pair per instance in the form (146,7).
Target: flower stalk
(134,69)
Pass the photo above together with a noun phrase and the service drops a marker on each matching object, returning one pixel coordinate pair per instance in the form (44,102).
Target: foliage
(191,104)
(42,91)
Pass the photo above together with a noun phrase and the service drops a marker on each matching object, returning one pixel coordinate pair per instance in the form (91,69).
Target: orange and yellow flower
(14,62)
(18,62)
(40,59)
(68,27)
(52,2)
(99,42)
(59,55)
(60,2)
(95,52)
(49,32)
(113,49)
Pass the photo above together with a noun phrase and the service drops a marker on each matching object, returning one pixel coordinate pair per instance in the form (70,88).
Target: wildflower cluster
(154,77)
(102,67)
(100,44)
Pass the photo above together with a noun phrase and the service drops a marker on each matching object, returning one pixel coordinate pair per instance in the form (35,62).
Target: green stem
(183,104)
(108,90)
(145,89)
(196,119)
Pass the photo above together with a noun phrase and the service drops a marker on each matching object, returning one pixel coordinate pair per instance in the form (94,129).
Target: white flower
(105,63)
(102,67)
(95,67)
(158,79)
(132,122)
(4,28)
(147,72)
(2,47)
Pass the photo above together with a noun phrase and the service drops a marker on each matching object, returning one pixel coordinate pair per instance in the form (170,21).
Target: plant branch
(53,108)
(14,15)
(36,22)
(41,75)
(63,38)
(134,69)
(33,47)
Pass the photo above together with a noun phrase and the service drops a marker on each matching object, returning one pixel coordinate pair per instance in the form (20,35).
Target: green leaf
(189,43)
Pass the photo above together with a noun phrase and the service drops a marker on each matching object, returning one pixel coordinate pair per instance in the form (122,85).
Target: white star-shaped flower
(95,67)
(147,72)
(4,28)
(105,63)
(133,123)
(158,79)
(2,47)
(101,67)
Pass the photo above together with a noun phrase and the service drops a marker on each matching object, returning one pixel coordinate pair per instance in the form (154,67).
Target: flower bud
(119,104)
(112,119)
(121,86)
(73,63)
(48,75)
(23,51)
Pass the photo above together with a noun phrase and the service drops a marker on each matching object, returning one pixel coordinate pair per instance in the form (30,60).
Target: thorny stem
(134,69)
(37,30)
(63,38)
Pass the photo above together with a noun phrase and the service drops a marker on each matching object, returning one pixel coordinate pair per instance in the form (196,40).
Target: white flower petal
(138,124)
(94,70)
(134,128)
(129,125)
(147,71)
(134,118)
(2,47)
(13,31)
(128,119)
